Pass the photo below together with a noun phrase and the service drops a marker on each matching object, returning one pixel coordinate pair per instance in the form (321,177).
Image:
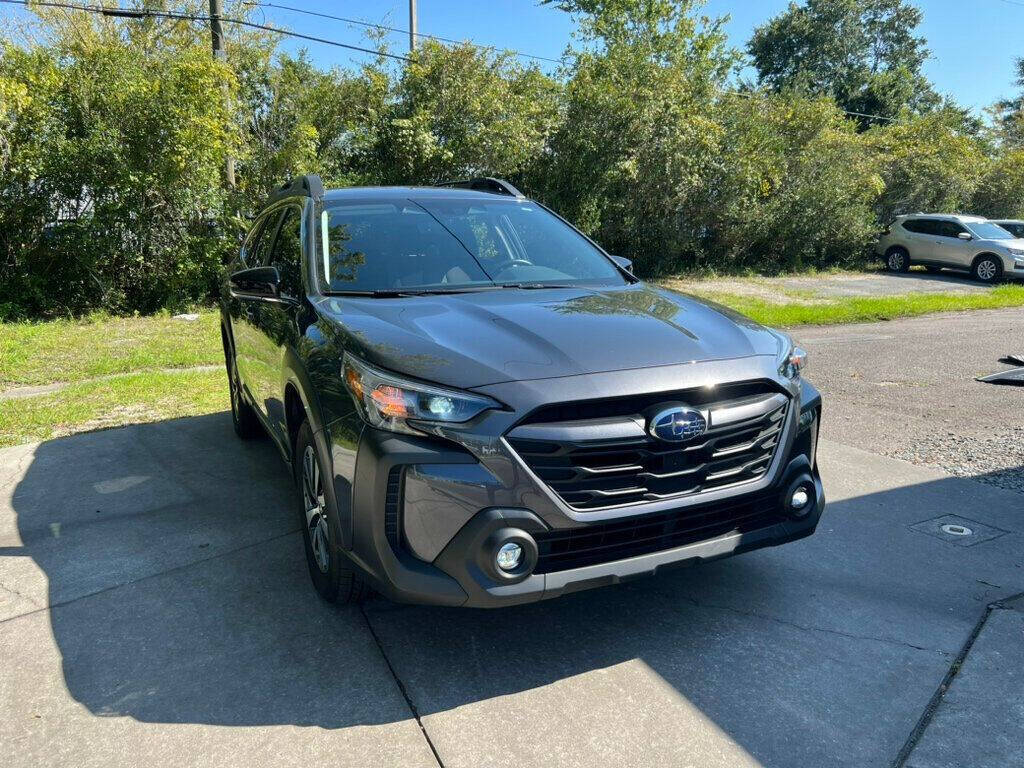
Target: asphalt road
(155,610)
(907,389)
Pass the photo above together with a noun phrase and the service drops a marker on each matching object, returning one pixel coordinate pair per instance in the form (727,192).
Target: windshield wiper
(391,293)
(535,286)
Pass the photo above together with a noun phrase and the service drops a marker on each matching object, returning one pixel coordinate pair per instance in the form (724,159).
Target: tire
(987,269)
(243,416)
(897,260)
(318,516)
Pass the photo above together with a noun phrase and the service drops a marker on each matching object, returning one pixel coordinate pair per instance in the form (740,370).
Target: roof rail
(309,185)
(484,184)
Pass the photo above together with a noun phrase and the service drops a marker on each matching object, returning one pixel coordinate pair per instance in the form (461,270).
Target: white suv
(936,241)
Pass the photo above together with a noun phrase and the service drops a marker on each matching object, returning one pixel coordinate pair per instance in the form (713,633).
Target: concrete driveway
(155,610)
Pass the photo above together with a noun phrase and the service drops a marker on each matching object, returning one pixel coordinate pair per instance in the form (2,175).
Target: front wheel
(897,260)
(987,269)
(333,580)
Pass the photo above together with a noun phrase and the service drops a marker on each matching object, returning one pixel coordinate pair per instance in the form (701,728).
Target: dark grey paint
(524,348)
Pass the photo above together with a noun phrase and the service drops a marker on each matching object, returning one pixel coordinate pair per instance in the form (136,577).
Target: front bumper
(424,513)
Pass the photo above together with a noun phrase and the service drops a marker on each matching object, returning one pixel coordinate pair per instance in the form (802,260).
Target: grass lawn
(863,309)
(112,402)
(72,350)
(115,371)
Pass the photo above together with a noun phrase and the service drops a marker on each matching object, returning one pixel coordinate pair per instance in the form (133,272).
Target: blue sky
(973,42)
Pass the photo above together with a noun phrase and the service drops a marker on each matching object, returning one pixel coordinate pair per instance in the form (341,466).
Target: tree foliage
(114,135)
(863,53)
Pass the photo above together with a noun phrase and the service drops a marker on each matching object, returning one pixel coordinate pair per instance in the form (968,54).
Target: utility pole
(217,34)
(412,26)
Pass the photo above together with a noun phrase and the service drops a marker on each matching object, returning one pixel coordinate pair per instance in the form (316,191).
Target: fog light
(509,556)
(799,498)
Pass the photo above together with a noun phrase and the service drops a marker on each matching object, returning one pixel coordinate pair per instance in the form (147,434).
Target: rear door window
(924,226)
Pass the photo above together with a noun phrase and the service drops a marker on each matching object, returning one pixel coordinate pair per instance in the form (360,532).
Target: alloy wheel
(316,509)
(895,261)
(987,270)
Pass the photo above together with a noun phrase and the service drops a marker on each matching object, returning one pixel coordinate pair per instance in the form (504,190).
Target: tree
(795,186)
(1000,192)
(1008,114)
(630,160)
(927,164)
(112,185)
(457,111)
(862,53)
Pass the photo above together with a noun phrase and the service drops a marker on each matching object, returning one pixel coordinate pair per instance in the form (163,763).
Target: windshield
(986,230)
(452,244)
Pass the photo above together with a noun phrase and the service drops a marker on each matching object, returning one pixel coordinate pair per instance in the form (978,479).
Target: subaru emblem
(677,424)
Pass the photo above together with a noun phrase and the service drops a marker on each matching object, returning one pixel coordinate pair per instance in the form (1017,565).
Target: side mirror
(965,236)
(256,283)
(626,264)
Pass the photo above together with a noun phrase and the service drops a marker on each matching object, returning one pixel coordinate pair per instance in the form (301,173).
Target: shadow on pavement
(180,595)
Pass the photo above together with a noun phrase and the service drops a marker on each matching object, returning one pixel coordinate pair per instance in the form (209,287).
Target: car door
(243,309)
(274,322)
(921,239)
(950,248)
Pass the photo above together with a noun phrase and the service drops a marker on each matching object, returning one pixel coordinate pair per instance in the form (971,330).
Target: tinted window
(949,228)
(1017,230)
(259,249)
(922,226)
(521,241)
(453,243)
(287,256)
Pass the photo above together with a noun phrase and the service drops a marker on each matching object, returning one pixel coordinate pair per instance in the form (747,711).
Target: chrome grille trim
(595,464)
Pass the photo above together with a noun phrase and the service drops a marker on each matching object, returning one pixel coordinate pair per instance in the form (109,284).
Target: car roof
(1007,221)
(945,217)
(401,193)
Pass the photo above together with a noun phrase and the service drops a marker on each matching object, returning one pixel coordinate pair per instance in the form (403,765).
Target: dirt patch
(123,414)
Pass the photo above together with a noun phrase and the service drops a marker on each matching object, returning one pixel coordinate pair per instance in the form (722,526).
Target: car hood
(1016,243)
(488,337)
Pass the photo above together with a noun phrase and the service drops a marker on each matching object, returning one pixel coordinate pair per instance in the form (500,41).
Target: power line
(755,94)
(141,13)
(371,25)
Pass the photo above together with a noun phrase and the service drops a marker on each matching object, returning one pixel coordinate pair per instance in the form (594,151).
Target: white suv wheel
(987,270)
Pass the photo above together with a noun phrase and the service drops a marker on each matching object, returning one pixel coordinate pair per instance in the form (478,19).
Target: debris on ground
(1013,376)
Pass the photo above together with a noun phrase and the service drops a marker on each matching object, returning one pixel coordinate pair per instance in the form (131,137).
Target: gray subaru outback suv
(481,407)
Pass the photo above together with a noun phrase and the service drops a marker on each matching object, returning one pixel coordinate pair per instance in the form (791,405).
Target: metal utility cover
(979,531)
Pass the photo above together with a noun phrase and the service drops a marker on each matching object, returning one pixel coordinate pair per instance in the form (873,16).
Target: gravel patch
(997,460)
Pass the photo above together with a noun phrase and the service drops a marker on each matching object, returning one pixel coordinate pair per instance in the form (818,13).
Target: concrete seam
(954,669)
(401,686)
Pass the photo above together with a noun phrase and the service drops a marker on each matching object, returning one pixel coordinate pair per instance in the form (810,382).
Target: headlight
(390,402)
(792,359)
(1015,251)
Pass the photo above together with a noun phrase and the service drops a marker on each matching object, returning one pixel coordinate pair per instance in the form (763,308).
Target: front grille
(610,461)
(559,550)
